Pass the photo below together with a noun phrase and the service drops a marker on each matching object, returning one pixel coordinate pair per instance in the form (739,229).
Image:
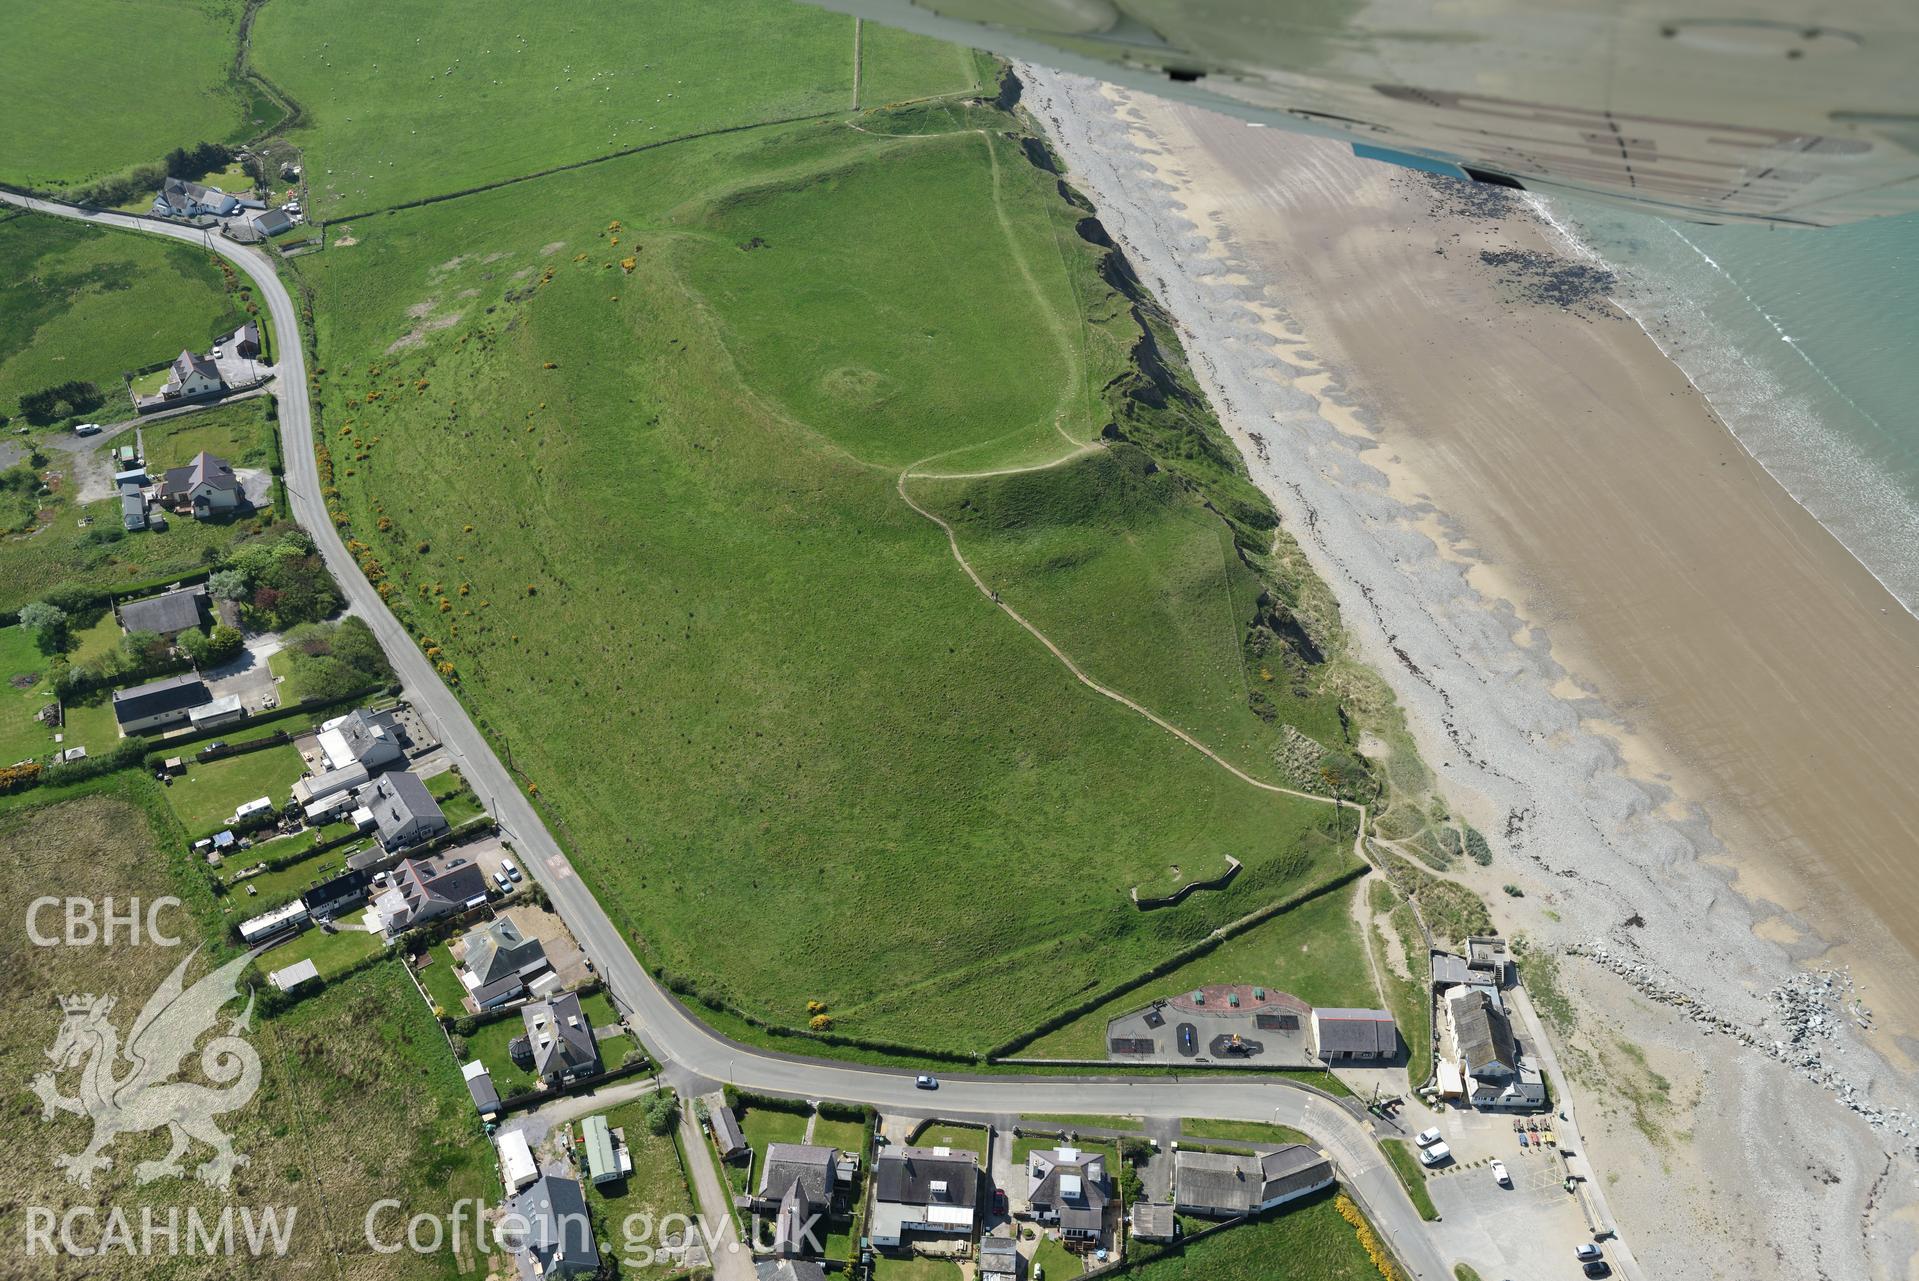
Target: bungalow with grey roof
(192,375)
(404,811)
(1069,1187)
(166,615)
(932,1191)
(1224,1185)
(500,962)
(160,704)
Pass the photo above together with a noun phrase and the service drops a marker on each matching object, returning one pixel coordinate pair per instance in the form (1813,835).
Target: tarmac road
(689,1051)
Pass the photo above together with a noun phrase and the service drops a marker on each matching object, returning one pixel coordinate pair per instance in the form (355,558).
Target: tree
(47,624)
(662,1110)
(224,644)
(228,584)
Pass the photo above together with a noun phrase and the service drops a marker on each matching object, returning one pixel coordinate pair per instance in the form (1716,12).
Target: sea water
(1806,342)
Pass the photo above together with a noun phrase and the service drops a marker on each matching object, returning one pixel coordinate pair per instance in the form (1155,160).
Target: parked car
(1598,1268)
(1500,1176)
(499,879)
(1586,1252)
(216,353)
(1437,1154)
(1426,1138)
(87,429)
(512,872)
(999,1201)
(926,1081)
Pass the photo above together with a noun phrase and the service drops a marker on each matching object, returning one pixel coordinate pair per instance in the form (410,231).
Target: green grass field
(1310,951)
(77,64)
(1306,1241)
(91,304)
(413,99)
(23,667)
(866,717)
(332,954)
(364,1048)
(896,66)
(441,979)
(1244,1131)
(961,1138)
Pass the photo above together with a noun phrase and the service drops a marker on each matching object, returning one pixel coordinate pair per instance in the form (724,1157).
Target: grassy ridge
(366,1048)
(808,717)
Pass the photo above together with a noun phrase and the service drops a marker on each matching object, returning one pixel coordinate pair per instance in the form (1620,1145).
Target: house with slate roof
(558,1235)
(1493,1071)
(1224,1185)
(161,704)
(500,962)
(206,486)
(426,889)
(929,1191)
(192,375)
(801,1188)
(560,1040)
(404,811)
(1069,1187)
(166,615)
(179,198)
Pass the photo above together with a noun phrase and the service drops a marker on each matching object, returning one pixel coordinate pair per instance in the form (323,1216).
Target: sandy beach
(1672,697)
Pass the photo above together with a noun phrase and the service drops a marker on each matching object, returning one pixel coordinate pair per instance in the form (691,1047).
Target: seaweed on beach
(1462,198)
(1551,280)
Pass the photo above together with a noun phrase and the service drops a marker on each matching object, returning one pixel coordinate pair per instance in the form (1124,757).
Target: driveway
(248,675)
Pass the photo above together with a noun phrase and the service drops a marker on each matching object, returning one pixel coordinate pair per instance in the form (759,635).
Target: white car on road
(1436,1154)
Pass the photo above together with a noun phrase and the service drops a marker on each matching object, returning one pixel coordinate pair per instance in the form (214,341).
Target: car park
(1426,1138)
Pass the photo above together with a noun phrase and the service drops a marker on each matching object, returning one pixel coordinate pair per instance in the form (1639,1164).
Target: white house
(179,198)
(192,376)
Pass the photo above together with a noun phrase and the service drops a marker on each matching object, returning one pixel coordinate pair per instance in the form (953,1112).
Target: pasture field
(1312,951)
(81,67)
(898,66)
(1304,1241)
(411,98)
(89,304)
(364,1048)
(705,411)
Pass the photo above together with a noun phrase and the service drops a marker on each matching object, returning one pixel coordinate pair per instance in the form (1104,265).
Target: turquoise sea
(1807,344)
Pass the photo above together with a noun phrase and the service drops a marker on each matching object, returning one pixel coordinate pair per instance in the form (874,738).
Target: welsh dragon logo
(130,1089)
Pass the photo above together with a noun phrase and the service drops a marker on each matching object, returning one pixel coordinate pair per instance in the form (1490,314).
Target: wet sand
(1673,699)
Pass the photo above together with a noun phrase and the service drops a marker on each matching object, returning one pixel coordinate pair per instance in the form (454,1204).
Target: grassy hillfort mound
(358,1098)
(625,447)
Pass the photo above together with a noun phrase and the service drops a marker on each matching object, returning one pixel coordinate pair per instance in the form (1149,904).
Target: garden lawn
(901,740)
(206,795)
(889,1267)
(1052,1261)
(1303,1241)
(1311,951)
(847,1136)
(488,1044)
(441,979)
(655,1189)
(961,1138)
(410,99)
(364,1047)
(90,304)
(91,724)
(598,1009)
(241,432)
(101,638)
(1093,1119)
(69,70)
(332,954)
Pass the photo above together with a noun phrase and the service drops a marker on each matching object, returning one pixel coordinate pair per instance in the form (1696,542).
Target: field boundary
(570,166)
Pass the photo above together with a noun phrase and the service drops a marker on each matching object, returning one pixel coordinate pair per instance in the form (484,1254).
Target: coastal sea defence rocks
(1808,1010)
